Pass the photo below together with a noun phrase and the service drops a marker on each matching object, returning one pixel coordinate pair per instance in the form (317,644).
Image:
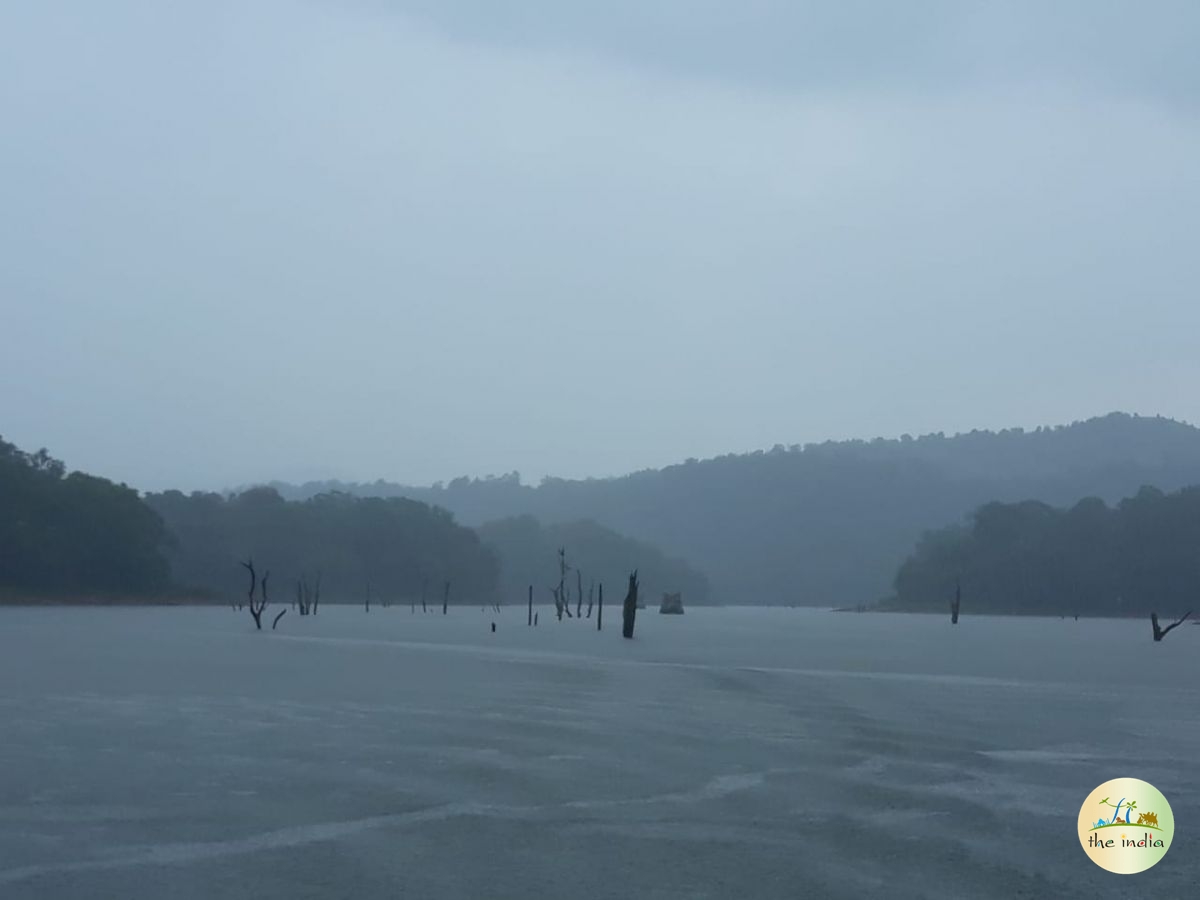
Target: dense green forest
(1140,556)
(393,548)
(528,553)
(830,523)
(74,535)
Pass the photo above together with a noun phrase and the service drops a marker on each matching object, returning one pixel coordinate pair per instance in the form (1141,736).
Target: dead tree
(316,601)
(630,609)
(278,617)
(424,588)
(564,605)
(530,622)
(578,594)
(1160,633)
(591,595)
(445,598)
(257,606)
(600,607)
(954,605)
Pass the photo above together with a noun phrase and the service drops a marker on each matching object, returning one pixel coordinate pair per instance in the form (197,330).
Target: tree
(630,608)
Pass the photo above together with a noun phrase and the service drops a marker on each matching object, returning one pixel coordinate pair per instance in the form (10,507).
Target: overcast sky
(414,240)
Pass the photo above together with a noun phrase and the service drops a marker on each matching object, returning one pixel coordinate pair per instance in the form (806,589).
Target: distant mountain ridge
(830,523)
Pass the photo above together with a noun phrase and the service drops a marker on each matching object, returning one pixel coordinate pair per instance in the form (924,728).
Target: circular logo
(1126,825)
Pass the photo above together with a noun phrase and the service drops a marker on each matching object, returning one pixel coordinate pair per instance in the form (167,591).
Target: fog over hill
(830,523)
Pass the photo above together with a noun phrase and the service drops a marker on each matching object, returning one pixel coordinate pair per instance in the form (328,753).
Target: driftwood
(630,608)
(1160,633)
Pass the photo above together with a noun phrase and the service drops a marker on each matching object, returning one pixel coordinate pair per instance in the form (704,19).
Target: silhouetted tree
(630,609)
(1160,633)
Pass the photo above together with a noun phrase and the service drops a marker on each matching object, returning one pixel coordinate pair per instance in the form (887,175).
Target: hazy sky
(413,240)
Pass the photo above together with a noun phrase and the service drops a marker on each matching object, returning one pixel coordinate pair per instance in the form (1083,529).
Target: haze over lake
(175,752)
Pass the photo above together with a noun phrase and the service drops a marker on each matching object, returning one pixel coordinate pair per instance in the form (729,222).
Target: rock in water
(672,604)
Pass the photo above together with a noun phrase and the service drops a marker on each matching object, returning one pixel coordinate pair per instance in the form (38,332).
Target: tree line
(829,523)
(1136,557)
(75,536)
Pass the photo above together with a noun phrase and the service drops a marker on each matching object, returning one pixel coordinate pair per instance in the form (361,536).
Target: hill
(1135,558)
(393,548)
(74,536)
(528,554)
(830,523)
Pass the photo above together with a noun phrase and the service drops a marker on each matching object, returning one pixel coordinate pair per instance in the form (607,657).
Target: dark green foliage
(74,537)
(529,554)
(394,545)
(830,523)
(1140,556)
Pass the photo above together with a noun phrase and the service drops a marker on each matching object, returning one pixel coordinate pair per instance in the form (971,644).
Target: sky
(418,239)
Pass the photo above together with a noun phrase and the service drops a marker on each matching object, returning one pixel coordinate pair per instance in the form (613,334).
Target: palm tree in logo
(1129,807)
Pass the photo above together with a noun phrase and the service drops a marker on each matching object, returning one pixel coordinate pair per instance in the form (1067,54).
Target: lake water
(154,753)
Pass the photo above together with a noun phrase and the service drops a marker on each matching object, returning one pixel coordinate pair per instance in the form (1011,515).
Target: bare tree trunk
(316,594)
(630,610)
(424,588)
(530,622)
(1160,633)
(591,596)
(256,609)
(955,603)
(564,604)
(445,598)
(278,617)
(368,601)
(578,594)
(600,607)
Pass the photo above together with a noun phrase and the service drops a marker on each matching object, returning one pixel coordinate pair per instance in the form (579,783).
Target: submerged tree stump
(630,608)
(1160,633)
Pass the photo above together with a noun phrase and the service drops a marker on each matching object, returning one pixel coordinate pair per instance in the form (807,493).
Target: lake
(175,752)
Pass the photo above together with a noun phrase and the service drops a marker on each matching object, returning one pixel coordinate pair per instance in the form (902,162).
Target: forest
(830,523)
(1141,555)
(74,535)
(597,555)
(361,548)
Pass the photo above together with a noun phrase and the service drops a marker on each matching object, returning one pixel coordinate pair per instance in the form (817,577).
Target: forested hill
(528,554)
(71,536)
(1136,558)
(830,523)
